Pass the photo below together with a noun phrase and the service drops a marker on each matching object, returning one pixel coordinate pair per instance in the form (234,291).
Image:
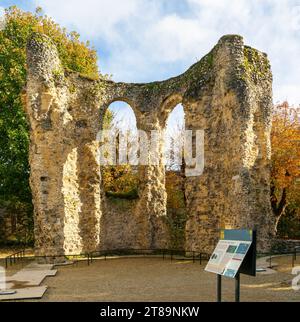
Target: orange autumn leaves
(285,158)
(285,147)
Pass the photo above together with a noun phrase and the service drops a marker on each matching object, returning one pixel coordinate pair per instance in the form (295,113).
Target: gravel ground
(146,279)
(154,279)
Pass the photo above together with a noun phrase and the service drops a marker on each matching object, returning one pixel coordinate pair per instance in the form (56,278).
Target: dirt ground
(154,279)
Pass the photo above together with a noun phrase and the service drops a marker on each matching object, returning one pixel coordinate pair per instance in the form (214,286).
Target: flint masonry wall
(228,94)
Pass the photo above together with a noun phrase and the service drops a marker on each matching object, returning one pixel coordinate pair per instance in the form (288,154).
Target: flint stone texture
(228,94)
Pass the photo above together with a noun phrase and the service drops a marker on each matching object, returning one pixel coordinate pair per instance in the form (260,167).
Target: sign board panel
(230,253)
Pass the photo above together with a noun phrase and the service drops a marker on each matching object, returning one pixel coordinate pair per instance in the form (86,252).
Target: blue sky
(147,40)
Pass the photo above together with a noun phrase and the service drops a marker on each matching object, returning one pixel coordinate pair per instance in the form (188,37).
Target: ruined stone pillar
(234,108)
(152,206)
(65,179)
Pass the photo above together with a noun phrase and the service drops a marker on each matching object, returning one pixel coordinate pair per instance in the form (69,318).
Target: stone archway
(228,94)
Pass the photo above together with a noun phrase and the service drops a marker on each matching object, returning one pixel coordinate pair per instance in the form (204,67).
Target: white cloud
(2,20)
(92,17)
(141,42)
(1,12)
(178,39)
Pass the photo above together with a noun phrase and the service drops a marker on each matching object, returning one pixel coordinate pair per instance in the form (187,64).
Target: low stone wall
(284,245)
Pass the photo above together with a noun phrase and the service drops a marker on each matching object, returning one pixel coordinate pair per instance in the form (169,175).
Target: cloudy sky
(147,40)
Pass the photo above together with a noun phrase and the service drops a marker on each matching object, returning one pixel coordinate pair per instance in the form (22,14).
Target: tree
(15,194)
(285,191)
(120,181)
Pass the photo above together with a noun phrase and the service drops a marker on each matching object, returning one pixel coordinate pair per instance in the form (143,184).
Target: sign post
(235,254)
(237,287)
(219,288)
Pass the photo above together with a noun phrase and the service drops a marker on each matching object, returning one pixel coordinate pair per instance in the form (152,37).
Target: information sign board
(230,253)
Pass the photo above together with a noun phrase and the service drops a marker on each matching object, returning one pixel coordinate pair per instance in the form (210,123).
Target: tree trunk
(278,205)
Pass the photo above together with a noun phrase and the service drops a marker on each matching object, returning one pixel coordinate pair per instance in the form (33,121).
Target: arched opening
(174,139)
(120,174)
(175,175)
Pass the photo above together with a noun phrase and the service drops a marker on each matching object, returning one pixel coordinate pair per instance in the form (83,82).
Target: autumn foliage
(285,184)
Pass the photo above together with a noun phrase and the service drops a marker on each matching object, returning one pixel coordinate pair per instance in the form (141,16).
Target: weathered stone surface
(228,94)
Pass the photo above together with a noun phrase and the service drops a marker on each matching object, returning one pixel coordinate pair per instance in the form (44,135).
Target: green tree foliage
(15,194)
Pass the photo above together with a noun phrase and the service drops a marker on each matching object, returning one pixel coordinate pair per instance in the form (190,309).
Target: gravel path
(145,279)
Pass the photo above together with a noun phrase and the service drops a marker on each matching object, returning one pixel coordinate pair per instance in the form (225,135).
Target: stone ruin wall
(228,94)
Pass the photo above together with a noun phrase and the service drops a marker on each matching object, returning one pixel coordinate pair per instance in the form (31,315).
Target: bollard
(293,260)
